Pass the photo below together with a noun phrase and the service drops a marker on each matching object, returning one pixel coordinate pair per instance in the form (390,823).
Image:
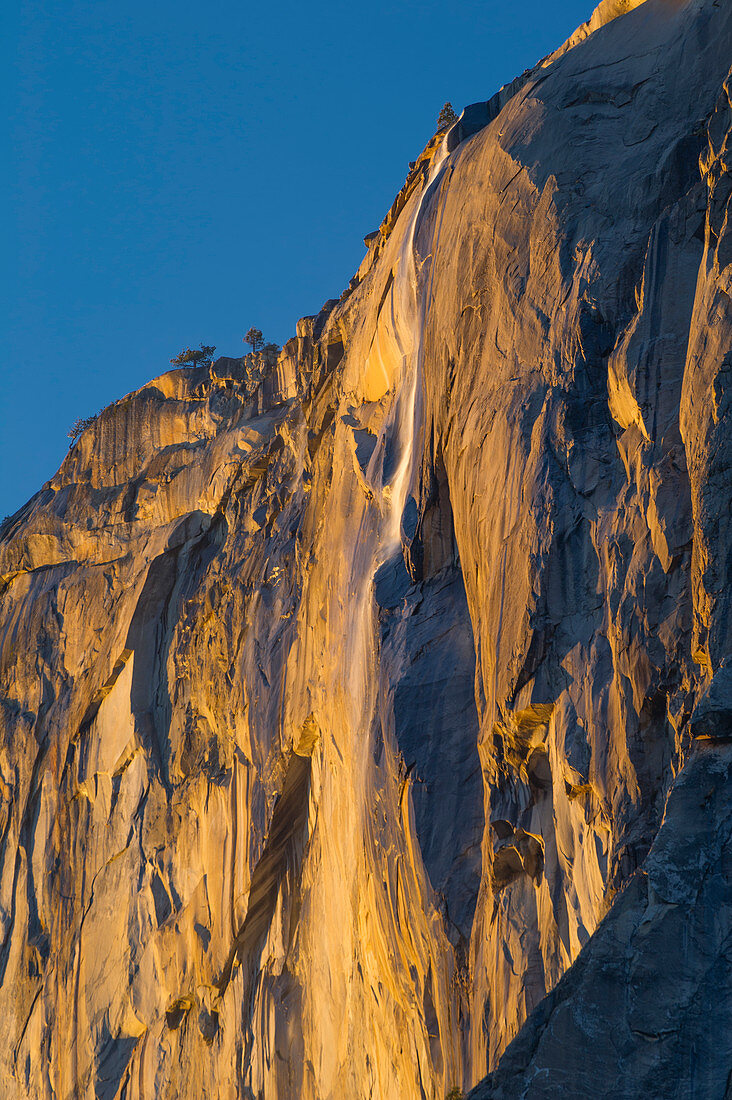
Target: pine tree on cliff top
(446,116)
(255,338)
(195,357)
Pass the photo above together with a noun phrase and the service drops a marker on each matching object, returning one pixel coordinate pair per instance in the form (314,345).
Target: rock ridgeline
(366,715)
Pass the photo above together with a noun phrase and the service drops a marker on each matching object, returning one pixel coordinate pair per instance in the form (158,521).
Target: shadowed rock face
(366,715)
(647,1008)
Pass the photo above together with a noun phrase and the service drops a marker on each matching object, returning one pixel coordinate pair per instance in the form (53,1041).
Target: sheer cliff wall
(341,711)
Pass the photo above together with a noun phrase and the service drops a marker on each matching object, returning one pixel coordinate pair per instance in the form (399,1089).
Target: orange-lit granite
(341,697)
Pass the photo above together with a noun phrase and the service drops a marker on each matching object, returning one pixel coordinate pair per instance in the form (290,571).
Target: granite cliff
(366,716)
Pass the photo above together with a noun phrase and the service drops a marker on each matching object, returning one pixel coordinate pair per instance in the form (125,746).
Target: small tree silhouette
(195,357)
(255,338)
(80,425)
(455,1093)
(446,116)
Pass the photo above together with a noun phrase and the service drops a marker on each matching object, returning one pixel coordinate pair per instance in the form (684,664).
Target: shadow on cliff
(427,698)
(172,578)
(277,871)
(281,852)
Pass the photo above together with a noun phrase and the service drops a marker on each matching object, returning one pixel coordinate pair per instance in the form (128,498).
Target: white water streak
(408,312)
(408,318)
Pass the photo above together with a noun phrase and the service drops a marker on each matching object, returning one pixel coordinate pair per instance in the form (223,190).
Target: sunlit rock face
(344,698)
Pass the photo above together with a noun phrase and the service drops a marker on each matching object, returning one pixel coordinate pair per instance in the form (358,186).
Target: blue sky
(181,171)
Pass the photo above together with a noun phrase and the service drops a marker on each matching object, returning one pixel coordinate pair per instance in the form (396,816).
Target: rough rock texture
(646,1011)
(343,698)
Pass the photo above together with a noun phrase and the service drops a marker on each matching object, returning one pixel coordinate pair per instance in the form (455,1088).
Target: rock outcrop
(366,716)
